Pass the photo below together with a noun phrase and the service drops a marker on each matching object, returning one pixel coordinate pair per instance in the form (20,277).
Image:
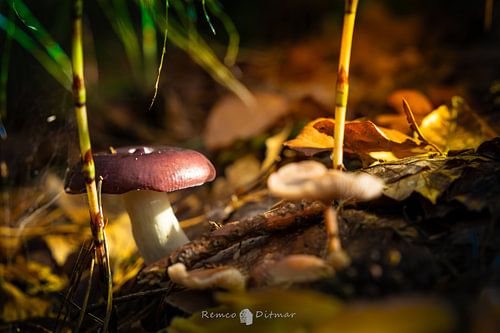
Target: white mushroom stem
(155,228)
(332,229)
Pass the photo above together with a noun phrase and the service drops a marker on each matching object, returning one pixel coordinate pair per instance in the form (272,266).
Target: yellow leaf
(61,246)
(455,128)
(18,306)
(274,145)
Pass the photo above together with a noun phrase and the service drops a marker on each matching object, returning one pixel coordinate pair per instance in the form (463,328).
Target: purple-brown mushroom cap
(162,169)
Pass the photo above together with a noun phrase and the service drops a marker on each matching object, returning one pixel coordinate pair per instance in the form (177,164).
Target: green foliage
(139,44)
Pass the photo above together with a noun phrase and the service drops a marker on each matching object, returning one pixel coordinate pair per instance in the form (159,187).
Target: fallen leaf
(231,120)
(363,138)
(456,127)
(469,177)
(429,177)
(243,171)
(419,103)
(274,146)
(394,121)
(478,188)
(21,285)
(61,246)
(16,305)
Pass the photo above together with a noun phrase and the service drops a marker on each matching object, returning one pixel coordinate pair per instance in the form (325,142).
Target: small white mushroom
(298,268)
(312,180)
(205,278)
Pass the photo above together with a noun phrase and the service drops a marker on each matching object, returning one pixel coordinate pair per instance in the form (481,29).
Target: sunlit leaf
(363,138)
(122,248)
(469,178)
(456,127)
(61,246)
(274,145)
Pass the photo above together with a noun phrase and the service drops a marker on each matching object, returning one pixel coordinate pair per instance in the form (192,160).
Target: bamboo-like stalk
(342,87)
(88,169)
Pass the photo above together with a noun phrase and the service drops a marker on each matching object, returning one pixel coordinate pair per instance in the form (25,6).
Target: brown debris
(273,220)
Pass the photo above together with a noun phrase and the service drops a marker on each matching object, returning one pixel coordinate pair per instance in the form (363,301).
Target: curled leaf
(363,138)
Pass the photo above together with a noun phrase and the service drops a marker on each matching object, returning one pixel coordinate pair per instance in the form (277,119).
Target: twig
(94,317)
(83,309)
(76,276)
(132,297)
(414,126)
(271,221)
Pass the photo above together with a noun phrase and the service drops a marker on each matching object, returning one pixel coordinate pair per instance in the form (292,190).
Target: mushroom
(141,175)
(225,277)
(297,268)
(311,180)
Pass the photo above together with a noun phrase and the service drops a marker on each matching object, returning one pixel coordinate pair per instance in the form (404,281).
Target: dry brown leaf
(231,120)
(363,138)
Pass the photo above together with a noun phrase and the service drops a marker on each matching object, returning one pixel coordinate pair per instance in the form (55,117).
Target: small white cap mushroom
(311,180)
(297,268)
(224,277)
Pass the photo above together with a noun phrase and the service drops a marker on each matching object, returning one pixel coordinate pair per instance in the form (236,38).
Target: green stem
(88,169)
(342,87)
